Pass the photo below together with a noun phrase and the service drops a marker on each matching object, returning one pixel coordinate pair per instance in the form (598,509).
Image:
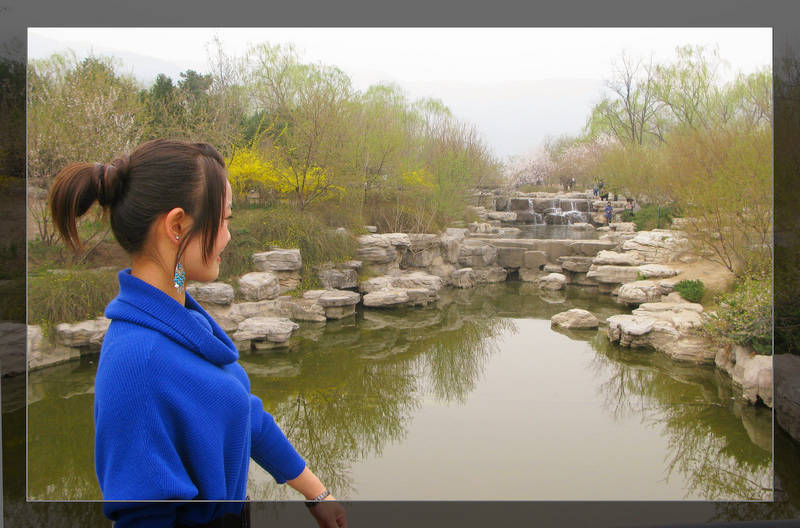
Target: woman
(174,417)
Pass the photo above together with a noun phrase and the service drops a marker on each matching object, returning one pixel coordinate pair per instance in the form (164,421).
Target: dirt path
(716,277)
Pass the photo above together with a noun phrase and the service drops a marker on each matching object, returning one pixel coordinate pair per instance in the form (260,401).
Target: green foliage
(627,216)
(256,230)
(649,217)
(61,296)
(691,290)
(640,276)
(744,316)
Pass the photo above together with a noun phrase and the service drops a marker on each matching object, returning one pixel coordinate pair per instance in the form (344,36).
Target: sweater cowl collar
(143,304)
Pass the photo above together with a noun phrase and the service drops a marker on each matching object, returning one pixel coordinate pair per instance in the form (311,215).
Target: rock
(385,297)
(655,271)
(673,297)
(422,252)
(483,228)
(501,203)
(259,285)
(417,280)
(531,275)
(212,292)
(331,298)
(476,254)
(787,393)
(575,318)
(272,329)
(576,264)
(535,260)
(582,226)
(623,227)
(502,216)
(510,257)
(553,281)
(441,269)
(287,280)
(83,334)
(552,268)
(647,331)
(338,278)
(457,232)
(451,246)
(614,258)
(278,260)
(351,264)
(463,278)
(658,245)
(757,379)
(371,229)
(638,292)
(490,275)
(684,316)
(301,309)
(509,232)
(612,274)
(378,249)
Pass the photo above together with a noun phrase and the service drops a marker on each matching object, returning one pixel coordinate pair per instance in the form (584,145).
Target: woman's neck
(154,274)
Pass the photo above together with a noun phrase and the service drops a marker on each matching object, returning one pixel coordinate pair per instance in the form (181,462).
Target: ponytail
(77,187)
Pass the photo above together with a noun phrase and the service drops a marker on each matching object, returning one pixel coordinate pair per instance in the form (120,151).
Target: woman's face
(193,264)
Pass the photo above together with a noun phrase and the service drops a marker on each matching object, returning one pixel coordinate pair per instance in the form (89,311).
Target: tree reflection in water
(712,449)
(359,385)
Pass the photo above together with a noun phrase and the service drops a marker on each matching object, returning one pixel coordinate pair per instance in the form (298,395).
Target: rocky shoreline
(401,269)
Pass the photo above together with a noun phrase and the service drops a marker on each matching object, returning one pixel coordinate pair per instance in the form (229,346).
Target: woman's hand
(329,514)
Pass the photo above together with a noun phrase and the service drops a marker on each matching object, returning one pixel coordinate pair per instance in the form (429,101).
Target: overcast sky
(517,85)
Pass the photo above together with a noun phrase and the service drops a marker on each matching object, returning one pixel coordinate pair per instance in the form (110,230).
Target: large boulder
(684,316)
(750,372)
(278,260)
(576,264)
(463,278)
(259,285)
(511,257)
(787,393)
(489,275)
(83,334)
(476,254)
(385,298)
(212,292)
(384,248)
(658,245)
(423,250)
(656,271)
(337,304)
(535,260)
(300,309)
(575,318)
(609,274)
(337,279)
(502,216)
(553,281)
(614,258)
(272,329)
(638,330)
(642,291)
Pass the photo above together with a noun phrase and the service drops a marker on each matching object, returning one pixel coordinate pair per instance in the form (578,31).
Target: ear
(175,224)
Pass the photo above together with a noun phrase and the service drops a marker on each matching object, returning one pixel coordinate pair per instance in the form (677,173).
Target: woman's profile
(174,416)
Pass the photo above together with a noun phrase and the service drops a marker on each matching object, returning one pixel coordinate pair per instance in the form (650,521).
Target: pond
(473,398)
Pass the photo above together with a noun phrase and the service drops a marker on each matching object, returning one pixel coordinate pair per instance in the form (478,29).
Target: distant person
(174,418)
(596,190)
(609,213)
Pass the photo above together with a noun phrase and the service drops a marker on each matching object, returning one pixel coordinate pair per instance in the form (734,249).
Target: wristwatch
(316,500)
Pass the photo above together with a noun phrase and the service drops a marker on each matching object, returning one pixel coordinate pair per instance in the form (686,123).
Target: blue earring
(180,275)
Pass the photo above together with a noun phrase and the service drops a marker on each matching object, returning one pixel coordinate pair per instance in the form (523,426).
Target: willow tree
(307,106)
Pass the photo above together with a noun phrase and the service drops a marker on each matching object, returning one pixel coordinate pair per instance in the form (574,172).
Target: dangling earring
(180,275)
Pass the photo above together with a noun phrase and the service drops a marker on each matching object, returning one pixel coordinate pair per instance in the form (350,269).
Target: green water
(473,398)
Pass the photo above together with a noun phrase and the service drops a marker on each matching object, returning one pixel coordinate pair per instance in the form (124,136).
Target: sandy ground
(715,276)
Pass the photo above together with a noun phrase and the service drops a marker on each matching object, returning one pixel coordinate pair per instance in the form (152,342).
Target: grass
(649,217)
(257,230)
(63,296)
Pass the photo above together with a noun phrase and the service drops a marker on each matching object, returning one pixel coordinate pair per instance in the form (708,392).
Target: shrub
(691,290)
(62,296)
(627,216)
(744,316)
(649,217)
(255,230)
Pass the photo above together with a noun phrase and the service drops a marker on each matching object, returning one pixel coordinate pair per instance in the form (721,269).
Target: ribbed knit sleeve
(269,446)
(135,454)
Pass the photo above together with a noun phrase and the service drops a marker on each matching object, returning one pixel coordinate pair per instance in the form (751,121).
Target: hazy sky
(517,85)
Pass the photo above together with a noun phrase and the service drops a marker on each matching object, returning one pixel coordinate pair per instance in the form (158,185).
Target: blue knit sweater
(174,417)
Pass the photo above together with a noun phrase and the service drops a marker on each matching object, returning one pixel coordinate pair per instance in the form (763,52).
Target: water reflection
(346,391)
(721,455)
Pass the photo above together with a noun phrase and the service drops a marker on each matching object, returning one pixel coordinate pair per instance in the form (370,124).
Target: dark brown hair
(156,177)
